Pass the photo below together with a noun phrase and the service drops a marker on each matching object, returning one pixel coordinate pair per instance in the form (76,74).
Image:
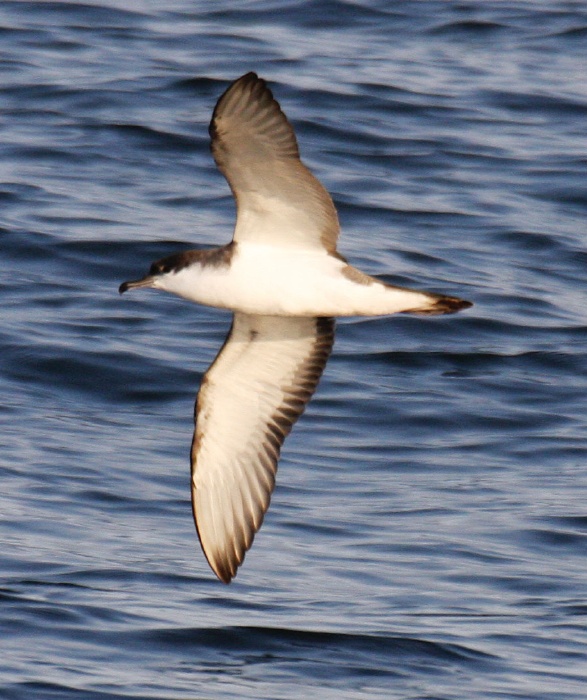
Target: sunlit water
(428,534)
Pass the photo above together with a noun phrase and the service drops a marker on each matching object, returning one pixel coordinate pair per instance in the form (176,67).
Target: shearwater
(284,281)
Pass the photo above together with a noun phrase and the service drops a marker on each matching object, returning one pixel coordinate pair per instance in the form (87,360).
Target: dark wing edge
(250,100)
(236,518)
(255,148)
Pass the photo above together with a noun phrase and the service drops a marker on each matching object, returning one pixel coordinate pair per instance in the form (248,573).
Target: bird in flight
(284,281)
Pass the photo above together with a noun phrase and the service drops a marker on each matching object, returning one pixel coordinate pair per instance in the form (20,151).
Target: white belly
(290,282)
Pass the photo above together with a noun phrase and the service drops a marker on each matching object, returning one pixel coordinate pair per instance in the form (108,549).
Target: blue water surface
(428,535)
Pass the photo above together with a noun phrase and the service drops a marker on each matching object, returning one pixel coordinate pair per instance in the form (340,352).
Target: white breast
(277,281)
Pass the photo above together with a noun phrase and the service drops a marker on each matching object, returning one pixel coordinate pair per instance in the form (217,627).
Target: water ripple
(427,534)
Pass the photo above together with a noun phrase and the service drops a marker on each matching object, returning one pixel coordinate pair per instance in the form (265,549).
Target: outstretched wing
(279,201)
(251,396)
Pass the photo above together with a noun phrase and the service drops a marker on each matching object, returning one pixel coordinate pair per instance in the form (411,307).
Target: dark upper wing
(279,201)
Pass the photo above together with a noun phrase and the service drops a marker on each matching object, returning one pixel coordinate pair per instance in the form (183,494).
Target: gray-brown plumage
(249,134)
(283,279)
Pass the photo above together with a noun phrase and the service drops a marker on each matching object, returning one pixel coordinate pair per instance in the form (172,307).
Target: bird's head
(159,273)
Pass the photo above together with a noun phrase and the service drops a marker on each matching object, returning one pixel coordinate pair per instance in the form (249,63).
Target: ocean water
(427,538)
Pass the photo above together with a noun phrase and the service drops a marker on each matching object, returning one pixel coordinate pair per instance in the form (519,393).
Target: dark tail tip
(442,305)
(450,305)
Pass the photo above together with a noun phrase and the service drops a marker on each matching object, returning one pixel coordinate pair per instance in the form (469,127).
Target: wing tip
(250,97)
(224,573)
(225,567)
(248,81)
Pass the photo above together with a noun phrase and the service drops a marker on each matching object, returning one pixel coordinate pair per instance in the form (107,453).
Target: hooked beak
(145,282)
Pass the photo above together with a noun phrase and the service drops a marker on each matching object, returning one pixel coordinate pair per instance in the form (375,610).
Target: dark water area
(428,535)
